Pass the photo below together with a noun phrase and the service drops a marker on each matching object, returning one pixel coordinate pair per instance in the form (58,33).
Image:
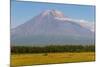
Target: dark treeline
(52,49)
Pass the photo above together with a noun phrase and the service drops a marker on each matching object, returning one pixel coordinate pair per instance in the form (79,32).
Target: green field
(49,58)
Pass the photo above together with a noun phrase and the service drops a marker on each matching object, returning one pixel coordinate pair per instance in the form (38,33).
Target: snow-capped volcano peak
(53,12)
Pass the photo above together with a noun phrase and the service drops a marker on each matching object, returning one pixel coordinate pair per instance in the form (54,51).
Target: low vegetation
(50,58)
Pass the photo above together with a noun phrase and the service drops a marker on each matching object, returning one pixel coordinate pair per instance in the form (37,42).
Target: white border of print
(5,36)
(4,33)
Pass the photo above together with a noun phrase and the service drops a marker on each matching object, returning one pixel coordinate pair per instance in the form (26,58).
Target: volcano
(52,27)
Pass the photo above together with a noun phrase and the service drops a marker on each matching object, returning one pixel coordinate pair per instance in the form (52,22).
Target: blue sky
(24,11)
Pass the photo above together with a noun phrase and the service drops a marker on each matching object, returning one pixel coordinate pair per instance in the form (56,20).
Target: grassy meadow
(41,58)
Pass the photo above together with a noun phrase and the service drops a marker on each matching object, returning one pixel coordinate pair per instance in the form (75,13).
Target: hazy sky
(24,11)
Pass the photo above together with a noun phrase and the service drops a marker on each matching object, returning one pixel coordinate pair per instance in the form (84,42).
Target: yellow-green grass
(34,59)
